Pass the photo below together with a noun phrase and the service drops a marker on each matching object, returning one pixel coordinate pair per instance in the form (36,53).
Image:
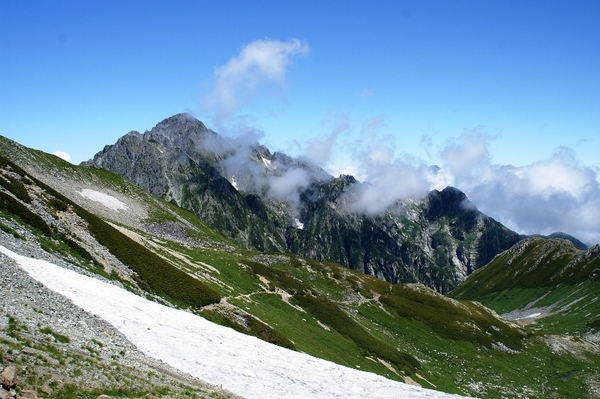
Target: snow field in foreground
(239,363)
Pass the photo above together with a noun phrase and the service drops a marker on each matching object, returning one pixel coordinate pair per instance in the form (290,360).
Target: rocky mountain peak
(449,202)
(179,131)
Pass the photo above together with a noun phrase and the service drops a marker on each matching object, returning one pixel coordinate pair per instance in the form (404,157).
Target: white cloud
(387,184)
(350,170)
(62,155)
(288,185)
(468,159)
(557,194)
(258,69)
(387,178)
(560,173)
(320,150)
(258,63)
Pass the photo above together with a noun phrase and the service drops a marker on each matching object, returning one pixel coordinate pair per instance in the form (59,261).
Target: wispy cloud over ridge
(388,177)
(320,150)
(555,194)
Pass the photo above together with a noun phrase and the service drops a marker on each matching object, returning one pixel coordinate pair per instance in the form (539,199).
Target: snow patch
(107,200)
(266,162)
(234,183)
(242,364)
(529,316)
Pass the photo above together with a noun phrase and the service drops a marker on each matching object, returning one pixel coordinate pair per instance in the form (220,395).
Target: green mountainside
(552,279)
(407,332)
(272,202)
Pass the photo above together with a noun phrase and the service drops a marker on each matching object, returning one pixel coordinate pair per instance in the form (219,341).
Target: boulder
(46,390)
(8,376)
(28,394)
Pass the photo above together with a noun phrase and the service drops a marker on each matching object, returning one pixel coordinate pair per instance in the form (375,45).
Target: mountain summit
(273,202)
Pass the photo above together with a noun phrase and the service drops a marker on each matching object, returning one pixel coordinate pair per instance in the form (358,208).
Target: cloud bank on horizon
(555,194)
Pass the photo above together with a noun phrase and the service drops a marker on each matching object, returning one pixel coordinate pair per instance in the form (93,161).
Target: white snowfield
(239,363)
(107,200)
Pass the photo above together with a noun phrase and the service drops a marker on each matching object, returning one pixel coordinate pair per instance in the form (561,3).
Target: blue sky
(368,88)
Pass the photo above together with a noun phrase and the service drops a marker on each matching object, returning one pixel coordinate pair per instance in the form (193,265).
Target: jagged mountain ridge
(272,202)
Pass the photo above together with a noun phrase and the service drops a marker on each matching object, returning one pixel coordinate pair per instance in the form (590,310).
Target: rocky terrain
(55,348)
(272,202)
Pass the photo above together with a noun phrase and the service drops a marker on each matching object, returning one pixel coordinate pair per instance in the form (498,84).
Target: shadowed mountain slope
(270,201)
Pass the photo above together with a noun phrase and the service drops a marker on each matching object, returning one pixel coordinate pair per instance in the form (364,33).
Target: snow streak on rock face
(107,200)
(242,364)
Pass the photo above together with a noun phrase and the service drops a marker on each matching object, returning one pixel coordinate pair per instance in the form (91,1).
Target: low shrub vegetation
(247,324)
(16,187)
(13,207)
(57,204)
(281,278)
(471,323)
(154,274)
(58,337)
(11,231)
(330,314)
(594,324)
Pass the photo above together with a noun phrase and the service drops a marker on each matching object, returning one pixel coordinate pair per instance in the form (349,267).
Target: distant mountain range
(272,202)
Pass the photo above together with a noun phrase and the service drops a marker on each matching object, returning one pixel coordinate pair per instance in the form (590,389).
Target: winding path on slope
(242,364)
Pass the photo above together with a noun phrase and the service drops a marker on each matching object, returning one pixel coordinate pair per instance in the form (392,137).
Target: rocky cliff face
(178,160)
(438,240)
(270,201)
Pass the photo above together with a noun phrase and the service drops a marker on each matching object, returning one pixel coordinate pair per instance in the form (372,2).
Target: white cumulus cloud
(258,63)
(546,196)
(556,194)
(63,155)
(320,149)
(287,186)
(387,178)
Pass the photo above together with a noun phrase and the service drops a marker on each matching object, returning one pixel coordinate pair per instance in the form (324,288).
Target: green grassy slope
(548,276)
(405,332)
